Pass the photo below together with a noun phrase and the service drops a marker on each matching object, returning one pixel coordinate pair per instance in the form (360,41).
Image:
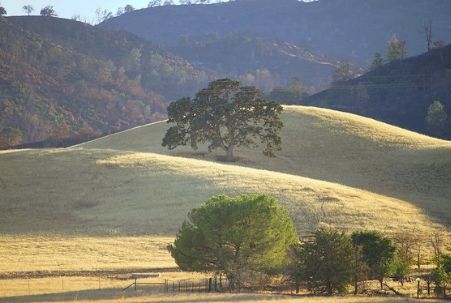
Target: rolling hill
(335,168)
(61,79)
(398,93)
(336,147)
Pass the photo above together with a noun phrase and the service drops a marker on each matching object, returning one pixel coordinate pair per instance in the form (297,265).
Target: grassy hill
(61,79)
(335,168)
(336,147)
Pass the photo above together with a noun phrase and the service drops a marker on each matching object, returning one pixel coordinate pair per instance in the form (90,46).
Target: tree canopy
(226,116)
(234,236)
(48,11)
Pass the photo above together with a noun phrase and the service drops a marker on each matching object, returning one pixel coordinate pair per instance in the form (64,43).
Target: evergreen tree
(325,263)
(378,61)
(235,236)
(377,252)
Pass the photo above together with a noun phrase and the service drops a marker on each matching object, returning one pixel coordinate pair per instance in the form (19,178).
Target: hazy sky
(69,8)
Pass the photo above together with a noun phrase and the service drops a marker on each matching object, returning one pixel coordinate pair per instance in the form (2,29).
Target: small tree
(436,117)
(343,72)
(427,26)
(400,266)
(2,11)
(325,263)
(396,49)
(28,9)
(128,8)
(154,3)
(234,236)
(9,137)
(377,252)
(48,11)
(227,116)
(378,61)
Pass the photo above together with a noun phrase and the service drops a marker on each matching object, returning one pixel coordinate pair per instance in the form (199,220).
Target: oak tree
(226,116)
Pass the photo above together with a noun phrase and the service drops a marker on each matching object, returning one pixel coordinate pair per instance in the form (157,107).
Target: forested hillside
(345,29)
(63,80)
(257,60)
(413,93)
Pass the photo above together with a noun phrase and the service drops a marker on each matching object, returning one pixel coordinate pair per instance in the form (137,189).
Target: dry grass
(115,202)
(337,147)
(57,255)
(117,296)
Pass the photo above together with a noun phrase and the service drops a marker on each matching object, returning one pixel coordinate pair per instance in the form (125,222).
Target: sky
(68,8)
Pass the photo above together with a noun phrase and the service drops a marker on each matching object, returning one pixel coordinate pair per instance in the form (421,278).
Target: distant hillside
(399,93)
(350,29)
(65,80)
(257,60)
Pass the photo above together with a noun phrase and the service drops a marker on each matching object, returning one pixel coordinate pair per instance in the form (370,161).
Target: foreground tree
(48,11)
(325,263)
(226,116)
(377,252)
(234,236)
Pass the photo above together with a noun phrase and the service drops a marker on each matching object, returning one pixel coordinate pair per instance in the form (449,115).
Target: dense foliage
(377,252)
(63,79)
(225,116)
(324,263)
(235,236)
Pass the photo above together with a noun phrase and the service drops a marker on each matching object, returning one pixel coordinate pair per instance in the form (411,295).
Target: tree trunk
(381,280)
(230,157)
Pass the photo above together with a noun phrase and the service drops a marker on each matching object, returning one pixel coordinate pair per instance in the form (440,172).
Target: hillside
(399,93)
(61,79)
(257,60)
(351,29)
(336,147)
(125,192)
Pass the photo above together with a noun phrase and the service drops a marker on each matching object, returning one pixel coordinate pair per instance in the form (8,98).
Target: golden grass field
(115,203)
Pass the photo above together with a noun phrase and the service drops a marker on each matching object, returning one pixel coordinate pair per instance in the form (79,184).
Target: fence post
(135,284)
(209,284)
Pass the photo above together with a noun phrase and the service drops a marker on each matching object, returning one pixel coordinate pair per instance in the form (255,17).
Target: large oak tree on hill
(226,116)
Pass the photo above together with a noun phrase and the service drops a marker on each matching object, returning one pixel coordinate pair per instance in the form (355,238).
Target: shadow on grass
(115,294)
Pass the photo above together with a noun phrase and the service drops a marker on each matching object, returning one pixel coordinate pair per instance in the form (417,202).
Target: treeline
(251,240)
